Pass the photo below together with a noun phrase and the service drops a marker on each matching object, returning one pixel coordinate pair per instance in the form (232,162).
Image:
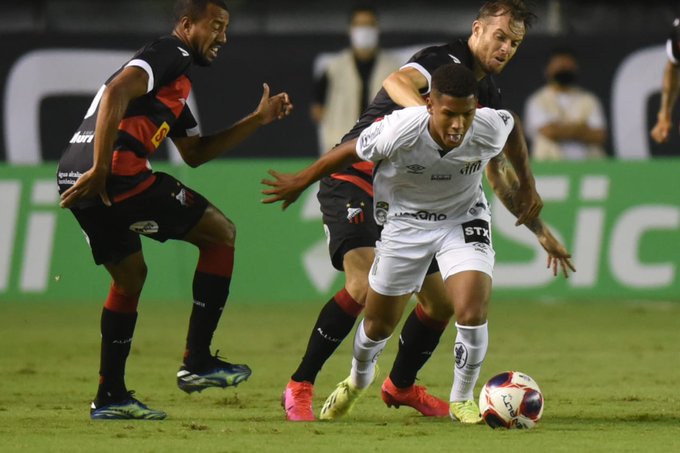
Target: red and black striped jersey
(426,61)
(148,120)
(673,43)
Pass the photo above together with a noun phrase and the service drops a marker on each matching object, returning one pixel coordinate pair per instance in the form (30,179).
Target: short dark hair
(455,80)
(518,10)
(194,9)
(362,7)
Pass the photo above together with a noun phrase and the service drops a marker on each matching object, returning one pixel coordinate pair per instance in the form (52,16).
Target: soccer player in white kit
(428,196)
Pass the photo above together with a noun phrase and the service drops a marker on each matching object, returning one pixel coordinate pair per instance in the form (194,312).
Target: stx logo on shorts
(160,134)
(477,231)
(355,215)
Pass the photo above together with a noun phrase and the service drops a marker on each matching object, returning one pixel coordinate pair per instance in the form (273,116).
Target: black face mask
(565,78)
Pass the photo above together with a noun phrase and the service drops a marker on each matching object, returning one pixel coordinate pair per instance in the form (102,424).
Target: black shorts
(348,221)
(166,210)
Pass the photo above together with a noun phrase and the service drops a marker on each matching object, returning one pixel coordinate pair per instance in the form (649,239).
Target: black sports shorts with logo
(166,210)
(347,213)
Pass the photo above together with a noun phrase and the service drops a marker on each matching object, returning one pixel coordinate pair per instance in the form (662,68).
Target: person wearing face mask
(564,121)
(351,78)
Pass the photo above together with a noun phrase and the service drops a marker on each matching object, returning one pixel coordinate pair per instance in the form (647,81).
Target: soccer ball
(511,400)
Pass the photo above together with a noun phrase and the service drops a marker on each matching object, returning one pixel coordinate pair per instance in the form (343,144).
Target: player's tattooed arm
(529,203)
(506,186)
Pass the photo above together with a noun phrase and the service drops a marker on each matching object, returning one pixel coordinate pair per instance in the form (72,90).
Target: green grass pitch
(610,374)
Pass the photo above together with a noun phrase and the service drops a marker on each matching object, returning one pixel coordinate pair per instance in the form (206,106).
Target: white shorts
(403,254)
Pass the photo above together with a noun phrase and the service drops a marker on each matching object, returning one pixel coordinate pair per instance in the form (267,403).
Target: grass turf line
(608,372)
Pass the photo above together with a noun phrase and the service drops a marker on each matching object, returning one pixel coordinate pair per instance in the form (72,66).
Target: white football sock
(366,352)
(469,352)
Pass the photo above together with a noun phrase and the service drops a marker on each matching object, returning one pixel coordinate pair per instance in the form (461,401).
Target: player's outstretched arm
(198,150)
(287,187)
(505,185)
(527,199)
(404,85)
(669,94)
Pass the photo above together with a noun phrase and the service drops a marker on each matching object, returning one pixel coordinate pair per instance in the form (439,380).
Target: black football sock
(334,323)
(419,338)
(117,330)
(210,296)
(210,290)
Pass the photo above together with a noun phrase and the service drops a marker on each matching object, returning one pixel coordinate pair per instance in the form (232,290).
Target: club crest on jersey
(471,167)
(381,208)
(355,215)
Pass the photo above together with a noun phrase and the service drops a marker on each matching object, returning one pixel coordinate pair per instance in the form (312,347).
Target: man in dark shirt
(104,177)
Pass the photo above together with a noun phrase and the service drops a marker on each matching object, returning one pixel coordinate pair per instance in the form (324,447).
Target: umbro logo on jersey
(415,169)
(504,116)
(455,60)
(184,52)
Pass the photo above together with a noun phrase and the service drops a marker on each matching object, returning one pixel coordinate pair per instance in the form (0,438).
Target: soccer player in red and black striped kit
(496,34)
(105,179)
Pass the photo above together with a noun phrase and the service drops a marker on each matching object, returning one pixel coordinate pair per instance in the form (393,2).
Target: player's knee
(357,288)
(377,329)
(132,281)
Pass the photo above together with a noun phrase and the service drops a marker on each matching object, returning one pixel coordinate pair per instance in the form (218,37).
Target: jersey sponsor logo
(381,208)
(471,167)
(454,58)
(440,178)
(82,137)
(415,169)
(183,52)
(355,215)
(423,215)
(367,137)
(145,227)
(160,134)
(477,231)
(504,116)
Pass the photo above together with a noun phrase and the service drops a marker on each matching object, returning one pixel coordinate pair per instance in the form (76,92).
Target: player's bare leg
(334,323)
(214,235)
(470,292)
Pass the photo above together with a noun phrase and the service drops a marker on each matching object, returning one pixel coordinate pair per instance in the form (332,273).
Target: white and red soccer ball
(511,400)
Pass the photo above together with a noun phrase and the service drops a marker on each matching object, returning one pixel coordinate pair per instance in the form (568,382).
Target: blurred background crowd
(614,50)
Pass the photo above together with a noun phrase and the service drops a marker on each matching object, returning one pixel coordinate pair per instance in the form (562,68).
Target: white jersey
(414,183)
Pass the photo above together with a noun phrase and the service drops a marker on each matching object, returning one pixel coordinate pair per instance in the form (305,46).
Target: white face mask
(364,38)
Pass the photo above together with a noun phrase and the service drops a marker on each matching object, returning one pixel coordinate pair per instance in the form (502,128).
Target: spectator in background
(564,121)
(669,88)
(351,79)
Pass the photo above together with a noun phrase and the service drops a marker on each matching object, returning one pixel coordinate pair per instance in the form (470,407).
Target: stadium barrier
(621,221)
